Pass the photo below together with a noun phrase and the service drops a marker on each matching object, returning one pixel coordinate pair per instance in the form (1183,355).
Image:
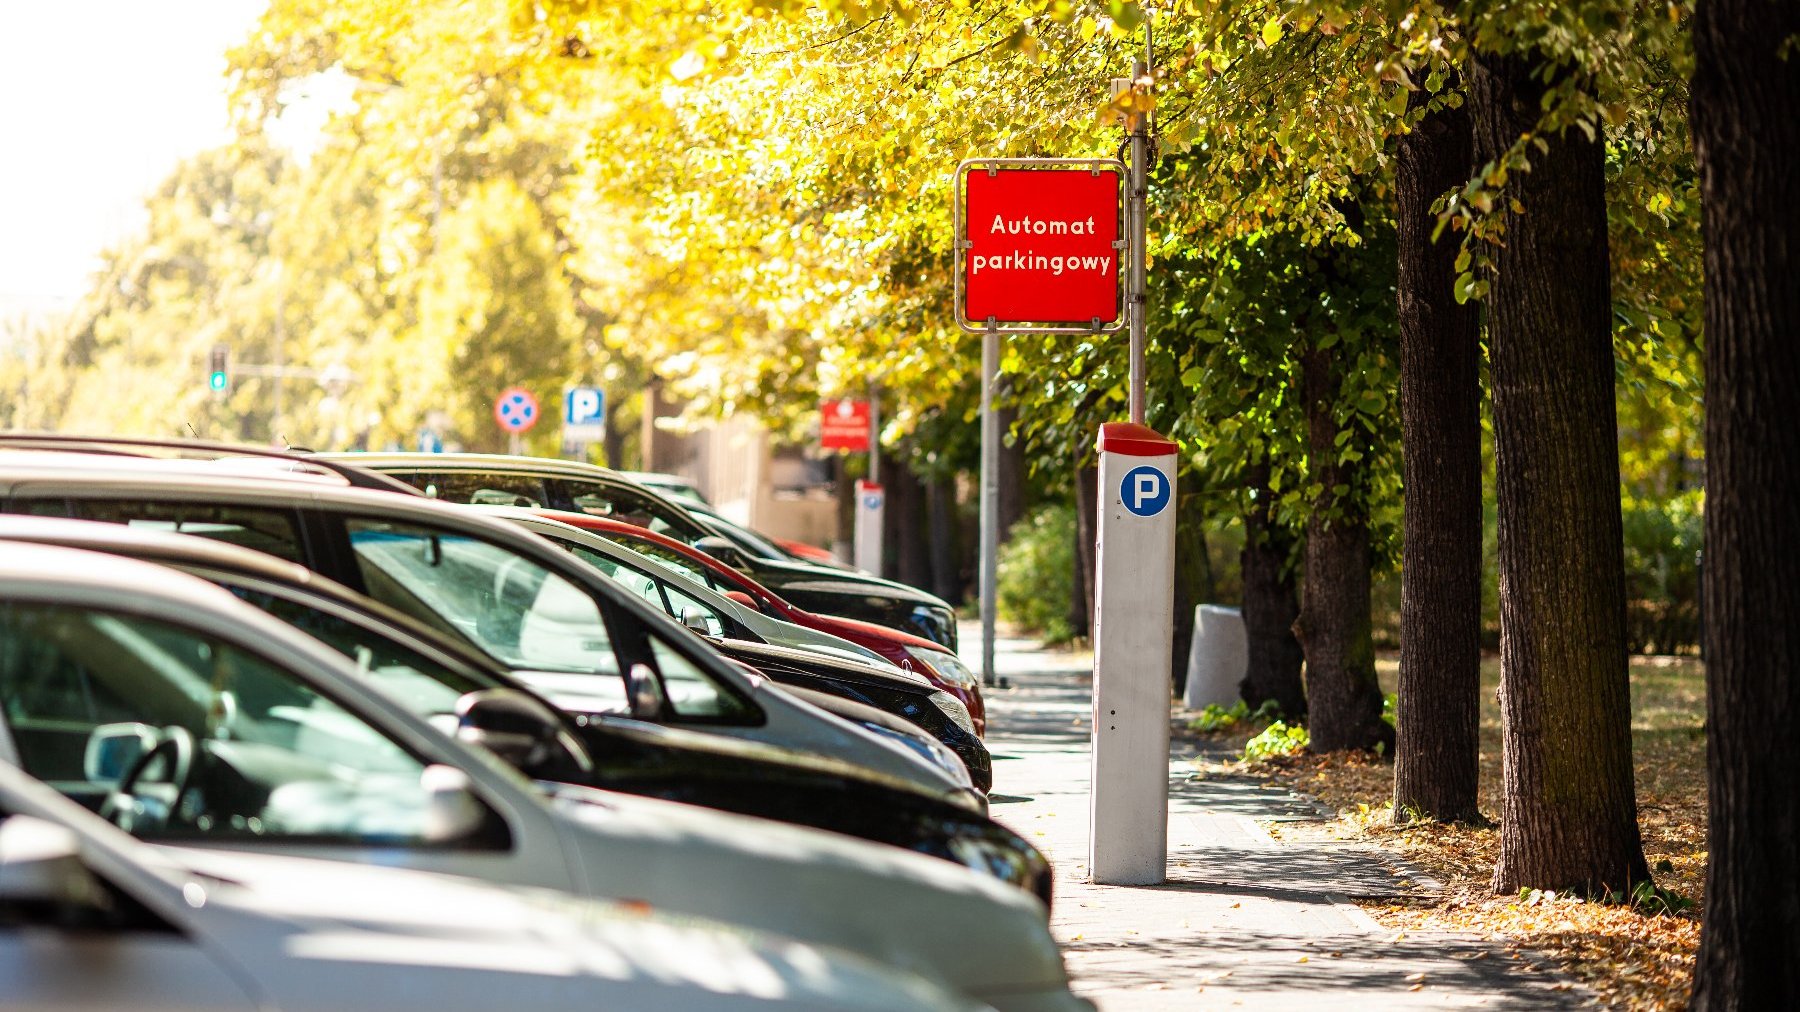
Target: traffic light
(218,380)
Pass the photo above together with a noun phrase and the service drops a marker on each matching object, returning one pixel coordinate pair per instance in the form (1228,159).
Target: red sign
(844,425)
(1040,246)
(516,409)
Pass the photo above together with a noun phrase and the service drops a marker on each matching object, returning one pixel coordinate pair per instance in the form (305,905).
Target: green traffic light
(218,380)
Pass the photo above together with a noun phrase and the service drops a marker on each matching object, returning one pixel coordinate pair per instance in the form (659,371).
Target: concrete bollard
(1218,658)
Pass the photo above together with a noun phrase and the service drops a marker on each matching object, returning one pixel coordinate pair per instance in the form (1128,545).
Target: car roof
(186,550)
(251,459)
(100,482)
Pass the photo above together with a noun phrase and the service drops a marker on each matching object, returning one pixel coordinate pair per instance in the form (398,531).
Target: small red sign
(1041,245)
(516,409)
(844,425)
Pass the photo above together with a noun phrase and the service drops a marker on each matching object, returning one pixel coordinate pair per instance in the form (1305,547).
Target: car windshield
(177,734)
(507,603)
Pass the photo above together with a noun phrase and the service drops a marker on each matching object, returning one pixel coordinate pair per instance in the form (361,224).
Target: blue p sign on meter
(1145,490)
(584,415)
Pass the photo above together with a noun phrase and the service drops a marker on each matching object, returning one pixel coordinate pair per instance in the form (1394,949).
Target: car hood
(918,913)
(837,581)
(361,918)
(883,673)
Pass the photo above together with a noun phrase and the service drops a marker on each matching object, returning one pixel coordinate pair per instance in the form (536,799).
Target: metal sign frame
(964,243)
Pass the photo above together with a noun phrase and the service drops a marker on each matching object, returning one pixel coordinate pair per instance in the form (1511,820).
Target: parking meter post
(1134,624)
(990,497)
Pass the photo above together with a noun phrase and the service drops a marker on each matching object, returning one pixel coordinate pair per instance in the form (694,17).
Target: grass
(1629,957)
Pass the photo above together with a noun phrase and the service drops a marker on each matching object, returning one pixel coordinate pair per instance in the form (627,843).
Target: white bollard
(1219,657)
(1134,613)
(870,500)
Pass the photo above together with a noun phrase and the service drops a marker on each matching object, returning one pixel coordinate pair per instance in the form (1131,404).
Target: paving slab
(1244,920)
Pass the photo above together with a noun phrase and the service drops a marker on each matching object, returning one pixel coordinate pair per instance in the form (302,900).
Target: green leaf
(1271,31)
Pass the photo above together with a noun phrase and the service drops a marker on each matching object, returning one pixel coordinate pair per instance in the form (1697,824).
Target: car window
(681,606)
(507,603)
(667,556)
(627,505)
(273,758)
(265,529)
(481,488)
(427,687)
(641,584)
(692,692)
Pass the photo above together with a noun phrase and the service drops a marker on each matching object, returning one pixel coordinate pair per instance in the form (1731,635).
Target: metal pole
(874,433)
(1136,223)
(280,344)
(990,497)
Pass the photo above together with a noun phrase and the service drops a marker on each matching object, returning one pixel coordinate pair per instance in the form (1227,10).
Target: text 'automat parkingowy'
(1042,246)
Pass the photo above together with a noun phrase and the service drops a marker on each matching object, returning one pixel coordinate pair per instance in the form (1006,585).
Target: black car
(496,480)
(450,680)
(548,616)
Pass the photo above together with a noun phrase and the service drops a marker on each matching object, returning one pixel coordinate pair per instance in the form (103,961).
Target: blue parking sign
(1145,490)
(584,406)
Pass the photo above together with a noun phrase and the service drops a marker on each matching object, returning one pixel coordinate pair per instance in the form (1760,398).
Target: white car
(192,719)
(100,921)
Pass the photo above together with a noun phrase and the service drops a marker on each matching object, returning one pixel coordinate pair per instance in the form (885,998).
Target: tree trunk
(1335,628)
(1271,604)
(904,516)
(1437,746)
(1087,481)
(940,498)
(1569,818)
(1010,504)
(1747,141)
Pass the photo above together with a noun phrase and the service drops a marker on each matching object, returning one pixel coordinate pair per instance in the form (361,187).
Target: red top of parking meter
(1134,440)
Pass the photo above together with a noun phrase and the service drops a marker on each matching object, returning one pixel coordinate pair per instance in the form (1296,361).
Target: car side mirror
(40,862)
(522,731)
(723,550)
(744,599)
(452,812)
(644,688)
(697,621)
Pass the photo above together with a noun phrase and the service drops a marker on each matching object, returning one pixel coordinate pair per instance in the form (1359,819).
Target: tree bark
(1087,481)
(904,520)
(1010,503)
(1335,628)
(1271,603)
(940,498)
(1747,142)
(1437,746)
(1569,819)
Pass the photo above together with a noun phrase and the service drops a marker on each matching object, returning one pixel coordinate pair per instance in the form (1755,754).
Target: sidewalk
(1244,920)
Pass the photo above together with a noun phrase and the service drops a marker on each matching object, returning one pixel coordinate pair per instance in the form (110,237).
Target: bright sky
(99,99)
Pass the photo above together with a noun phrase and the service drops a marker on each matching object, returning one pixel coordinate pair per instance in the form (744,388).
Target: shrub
(1035,584)
(1278,738)
(1662,573)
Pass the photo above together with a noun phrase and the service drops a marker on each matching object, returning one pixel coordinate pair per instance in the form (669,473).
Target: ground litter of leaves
(1628,957)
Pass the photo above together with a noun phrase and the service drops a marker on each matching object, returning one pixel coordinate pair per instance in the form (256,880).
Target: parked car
(687,584)
(552,619)
(259,460)
(943,667)
(263,740)
(673,486)
(575,487)
(468,693)
(764,547)
(101,921)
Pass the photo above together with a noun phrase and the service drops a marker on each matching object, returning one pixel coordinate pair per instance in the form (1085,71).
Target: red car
(914,653)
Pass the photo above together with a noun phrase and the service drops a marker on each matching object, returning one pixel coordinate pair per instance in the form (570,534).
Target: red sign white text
(1041,246)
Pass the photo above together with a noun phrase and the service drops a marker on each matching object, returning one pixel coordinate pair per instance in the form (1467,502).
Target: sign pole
(1138,235)
(874,434)
(990,497)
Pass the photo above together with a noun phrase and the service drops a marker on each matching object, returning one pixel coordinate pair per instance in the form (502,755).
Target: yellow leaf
(1271,32)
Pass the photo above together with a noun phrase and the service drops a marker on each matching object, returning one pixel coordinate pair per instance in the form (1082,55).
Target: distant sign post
(515,410)
(844,425)
(584,416)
